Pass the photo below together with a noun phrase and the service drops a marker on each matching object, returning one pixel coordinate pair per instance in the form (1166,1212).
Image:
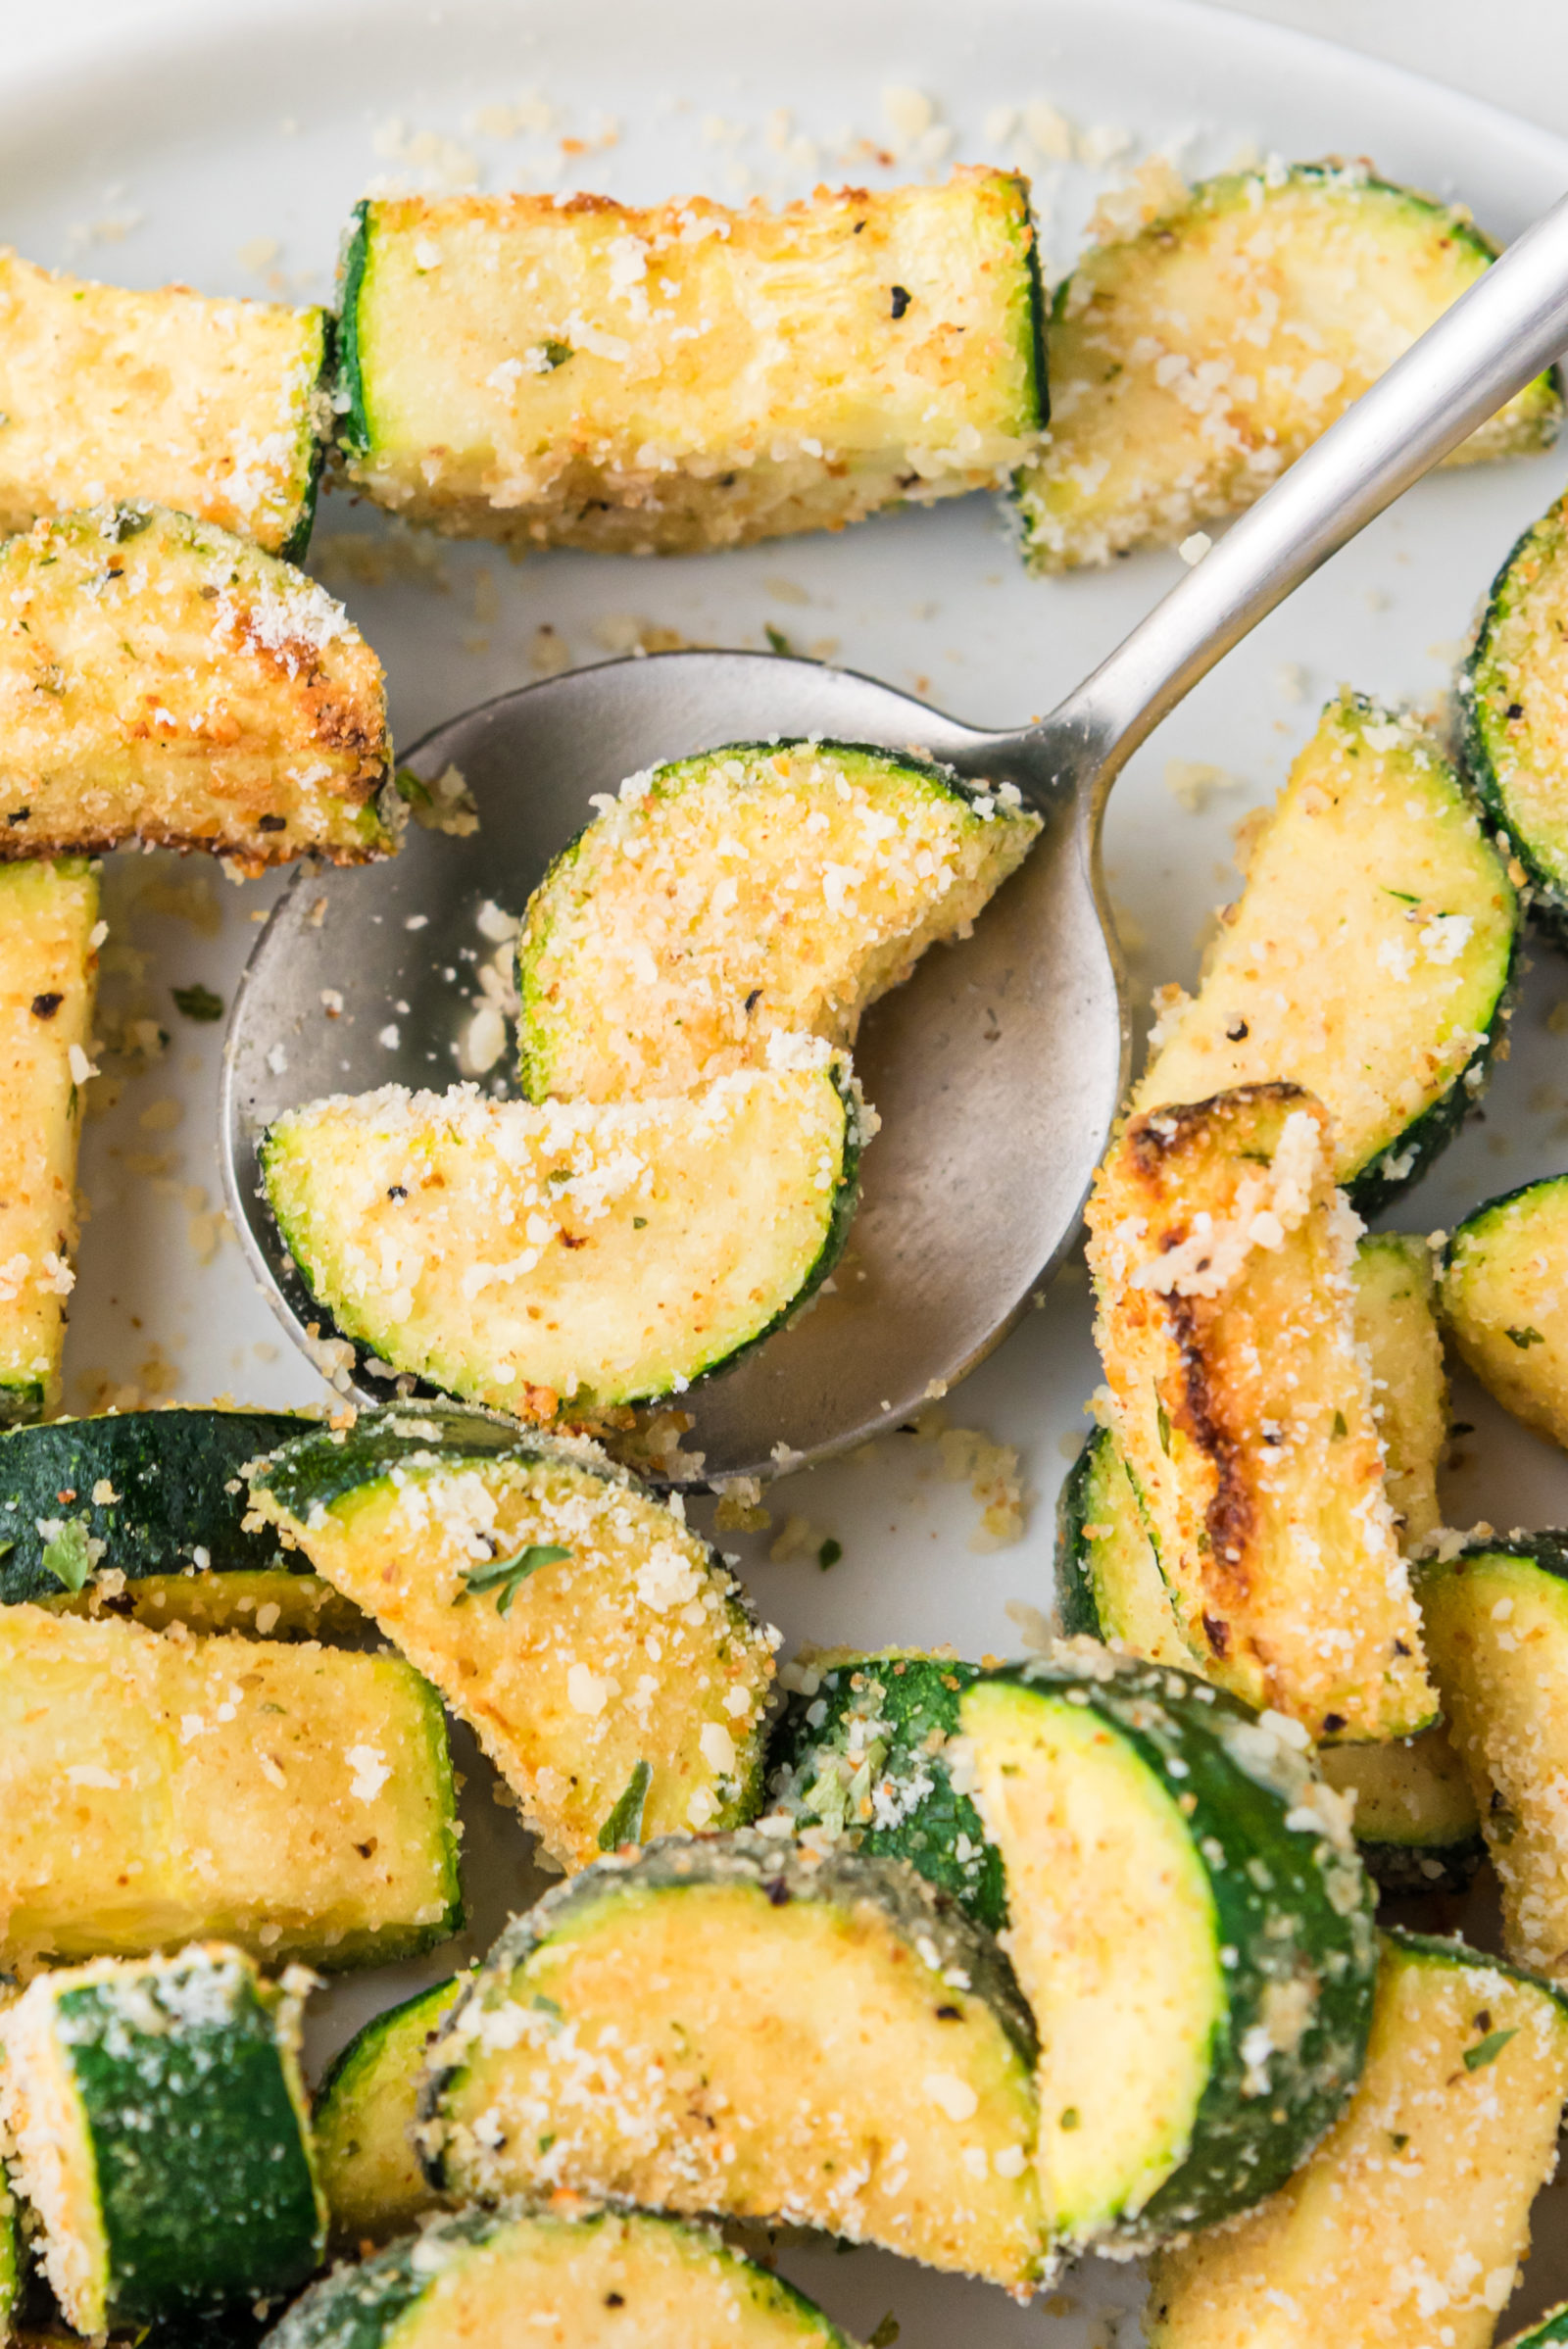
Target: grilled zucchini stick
(1407,2225)
(1367,958)
(1513,695)
(1196,356)
(1243,1403)
(1505,1301)
(164,682)
(48,975)
(573,372)
(215,408)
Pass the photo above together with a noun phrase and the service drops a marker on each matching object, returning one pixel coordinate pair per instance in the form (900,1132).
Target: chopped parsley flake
(197,1002)
(1486,2052)
(504,1575)
(624,1824)
(65,1554)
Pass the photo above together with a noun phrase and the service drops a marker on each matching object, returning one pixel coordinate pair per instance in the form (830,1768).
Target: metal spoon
(999,1067)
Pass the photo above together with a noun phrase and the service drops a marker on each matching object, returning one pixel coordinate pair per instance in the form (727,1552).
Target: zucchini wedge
(1191,1926)
(561,1259)
(1195,359)
(1407,2225)
(858,1756)
(1109,1582)
(1504,1302)
(293,1798)
(520,2280)
(159,2123)
(602,1652)
(1497,1630)
(1416,1822)
(162,681)
(216,409)
(48,979)
(1511,712)
(142,1514)
(1397,1321)
(760,890)
(721,2025)
(1241,1397)
(1368,957)
(362,2120)
(571,371)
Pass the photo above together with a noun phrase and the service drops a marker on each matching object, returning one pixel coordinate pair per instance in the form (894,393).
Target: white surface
(164,143)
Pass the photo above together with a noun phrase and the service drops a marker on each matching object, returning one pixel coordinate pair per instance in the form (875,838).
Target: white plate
(202,131)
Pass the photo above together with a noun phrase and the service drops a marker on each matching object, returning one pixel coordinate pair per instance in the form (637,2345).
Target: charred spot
(1516,710)
(1230,1518)
(1402,1648)
(778,1892)
(44,1006)
(856,230)
(20,816)
(1238,1032)
(752,999)
(397,1190)
(614,2300)
(1332,1724)
(902,298)
(574,1240)
(271,823)
(949,2014)
(1219,1635)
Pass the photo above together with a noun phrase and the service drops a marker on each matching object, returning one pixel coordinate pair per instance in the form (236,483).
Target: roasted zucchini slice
(1191,1927)
(1242,1400)
(596,2279)
(593,1640)
(763,889)
(362,2122)
(1397,1321)
(159,2121)
(162,681)
(858,1756)
(575,372)
(48,972)
(1195,359)
(561,1259)
(1108,1582)
(1512,702)
(1406,2226)
(1368,957)
(721,2025)
(296,1799)
(1504,1304)
(215,408)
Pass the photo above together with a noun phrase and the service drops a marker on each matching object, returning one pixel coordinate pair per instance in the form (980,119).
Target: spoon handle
(1499,334)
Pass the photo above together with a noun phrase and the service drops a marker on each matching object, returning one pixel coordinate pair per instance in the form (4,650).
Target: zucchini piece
(1109,1582)
(722,2025)
(588,1635)
(297,1799)
(505,375)
(362,2122)
(159,2120)
(48,979)
(1195,359)
(1368,957)
(859,1754)
(1242,1401)
(1498,1629)
(1416,1821)
(1503,1303)
(215,408)
(1397,1321)
(1406,2226)
(1510,707)
(164,682)
(1191,1927)
(598,2278)
(763,889)
(565,1258)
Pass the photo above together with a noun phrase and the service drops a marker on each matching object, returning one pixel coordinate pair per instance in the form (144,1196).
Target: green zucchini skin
(1552,2326)
(906,1707)
(297,543)
(1388,1175)
(1485,698)
(354,423)
(364,2111)
(311,1466)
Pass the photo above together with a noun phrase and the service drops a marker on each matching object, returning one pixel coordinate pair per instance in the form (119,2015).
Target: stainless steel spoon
(999,1067)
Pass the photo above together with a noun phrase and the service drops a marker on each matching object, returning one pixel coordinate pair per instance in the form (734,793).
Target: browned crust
(22,847)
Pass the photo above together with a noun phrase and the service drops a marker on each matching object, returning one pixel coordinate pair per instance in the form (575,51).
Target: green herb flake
(1486,2052)
(1162,1417)
(554,355)
(1397,2140)
(1340,1427)
(777,641)
(1525,1337)
(505,1576)
(65,1554)
(829,1554)
(197,1002)
(886,2333)
(1070,2117)
(625,1822)
(414,794)
(1403,895)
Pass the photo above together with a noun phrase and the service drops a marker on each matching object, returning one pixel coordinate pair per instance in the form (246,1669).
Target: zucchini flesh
(621,1649)
(763,889)
(1511,710)
(48,975)
(165,682)
(567,1257)
(1109,1582)
(1242,1401)
(294,1799)
(722,2027)
(211,408)
(362,2121)
(1406,2226)
(1415,1817)
(159,2119)
(1195,359)
(1504,1302)
(1191,1926)
(1397,1321)
(859,1756)
(1367,960)
(576,372)
(598,2279)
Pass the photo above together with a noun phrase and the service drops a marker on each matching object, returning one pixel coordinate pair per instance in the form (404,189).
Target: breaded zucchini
(571,371)
(1368,956)
(762,888)
(1504,1296)
(164,682)
(1242,1400)
(362,2118)
(216,409)
(1514,709)
(1197,357)
(1397,1321)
